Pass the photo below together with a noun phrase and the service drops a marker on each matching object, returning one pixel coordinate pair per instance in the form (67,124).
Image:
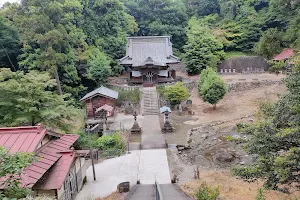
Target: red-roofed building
(284,55)
(59,170)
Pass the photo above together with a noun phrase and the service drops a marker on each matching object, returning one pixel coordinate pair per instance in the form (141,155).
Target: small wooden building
(59,170)
(98,98)
(149,60)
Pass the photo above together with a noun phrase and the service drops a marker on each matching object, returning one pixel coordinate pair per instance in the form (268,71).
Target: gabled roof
(104,91)
(285,54)
(55,177)
(22,139)
(158,48)
(27,139)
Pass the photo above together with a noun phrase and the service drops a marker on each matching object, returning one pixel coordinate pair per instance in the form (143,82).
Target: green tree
(52,41)
(9,45)
(107,25)
(177,93)
(275,139)
(270,43)
(211,87)
(202,7)
(160,17)
(98,65)
(28,99)
(11,168)
(202,49)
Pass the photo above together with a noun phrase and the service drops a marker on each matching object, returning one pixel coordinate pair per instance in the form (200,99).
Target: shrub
(111,142)
(129,96)
(211,87)
(86,141)
(260,194)
(206,192)
(177,93)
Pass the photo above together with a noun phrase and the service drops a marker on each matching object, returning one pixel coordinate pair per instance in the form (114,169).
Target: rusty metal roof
(22,139)
(285,54)
(27,139)
(55,177)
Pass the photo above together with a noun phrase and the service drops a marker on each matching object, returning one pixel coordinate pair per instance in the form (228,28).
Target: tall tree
(28,99)
(202,49)
(160,17)
(9,45)
(270,43)
(107,25)
(51,39)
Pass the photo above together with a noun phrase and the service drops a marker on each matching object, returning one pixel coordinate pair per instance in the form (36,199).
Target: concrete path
(109,174)
(173,192)
(145,165)
(151,135)
(154,166)
(142,192)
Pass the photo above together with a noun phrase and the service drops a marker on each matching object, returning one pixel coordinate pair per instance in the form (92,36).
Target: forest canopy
(78,42)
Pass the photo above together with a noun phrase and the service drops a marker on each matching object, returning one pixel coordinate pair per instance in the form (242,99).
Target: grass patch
(233,54)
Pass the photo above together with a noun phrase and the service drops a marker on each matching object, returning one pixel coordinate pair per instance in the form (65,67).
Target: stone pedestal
(136,129)
(167,128)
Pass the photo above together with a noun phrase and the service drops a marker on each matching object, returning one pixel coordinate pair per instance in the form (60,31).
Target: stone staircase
(150,101)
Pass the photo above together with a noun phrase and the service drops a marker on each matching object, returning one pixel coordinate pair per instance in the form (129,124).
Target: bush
(211,87)
(177,93)
(206,192)
(111,142)
(86,141)
(129,96)
(260,194)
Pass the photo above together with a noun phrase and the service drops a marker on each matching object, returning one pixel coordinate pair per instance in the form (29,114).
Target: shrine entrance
(149,77)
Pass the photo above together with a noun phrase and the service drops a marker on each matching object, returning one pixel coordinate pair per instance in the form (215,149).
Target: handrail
(158,191)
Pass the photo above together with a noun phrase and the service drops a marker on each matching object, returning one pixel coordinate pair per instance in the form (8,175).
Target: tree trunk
(59,90)
(215,106)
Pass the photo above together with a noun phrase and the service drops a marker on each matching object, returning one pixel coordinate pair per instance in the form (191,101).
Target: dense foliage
(275,139)
(28,98)
(13,164)
(211,87)
(175,94)
(160,17)
(128,97)
(203,49)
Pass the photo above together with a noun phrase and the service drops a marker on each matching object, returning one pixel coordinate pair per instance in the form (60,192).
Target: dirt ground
(113,196)
(233,107)
(210,152)
(232,188)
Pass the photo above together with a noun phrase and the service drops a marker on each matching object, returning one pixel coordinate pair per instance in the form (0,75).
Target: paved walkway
(151,135)
(109,174)
(154,166)
(145,165)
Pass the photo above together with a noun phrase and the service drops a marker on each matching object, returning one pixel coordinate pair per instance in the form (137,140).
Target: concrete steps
(150,101)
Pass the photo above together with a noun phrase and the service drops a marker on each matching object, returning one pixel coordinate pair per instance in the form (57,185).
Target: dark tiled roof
(102,91)
(140,49)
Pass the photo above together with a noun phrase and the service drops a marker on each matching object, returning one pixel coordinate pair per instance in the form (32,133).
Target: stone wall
(243,65)
(242,86)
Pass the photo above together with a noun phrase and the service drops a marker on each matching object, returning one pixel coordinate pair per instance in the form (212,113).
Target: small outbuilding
(284,55)
(98,98)
(59,170)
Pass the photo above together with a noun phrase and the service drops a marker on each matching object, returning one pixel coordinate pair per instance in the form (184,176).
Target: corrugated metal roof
(102,91)
(55,177)
(158,48)
(27,139)
(22,139)
(285,54)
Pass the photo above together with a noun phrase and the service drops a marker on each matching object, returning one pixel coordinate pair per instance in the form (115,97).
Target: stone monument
(136,129)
